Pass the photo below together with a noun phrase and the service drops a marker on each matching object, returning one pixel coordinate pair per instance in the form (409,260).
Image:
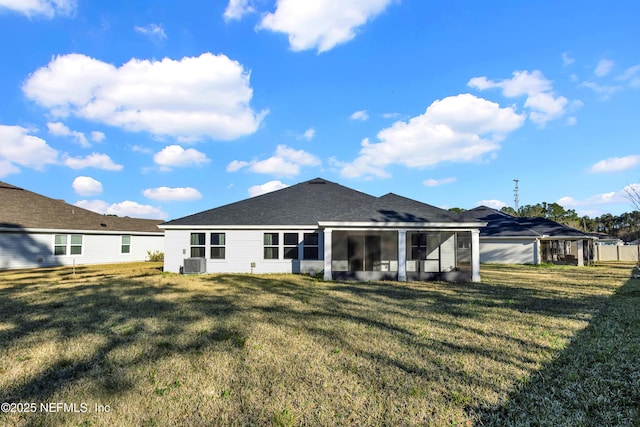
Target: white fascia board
(567,238)
(239,227)
(403,225)
(70,231)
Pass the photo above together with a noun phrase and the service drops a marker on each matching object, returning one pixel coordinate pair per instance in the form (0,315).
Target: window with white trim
(125,244)
(67,244)
(217,246)
(310,246)
(271,242)
(197,245)
(290,245)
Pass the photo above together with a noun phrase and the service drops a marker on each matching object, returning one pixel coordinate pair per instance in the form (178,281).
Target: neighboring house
(37,231)
(531,240)
(320,226)
(606,240)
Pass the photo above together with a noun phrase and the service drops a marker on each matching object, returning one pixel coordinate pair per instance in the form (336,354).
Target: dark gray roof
(314,201)
(500,224)
(301,204)
(21,208)
(394,208)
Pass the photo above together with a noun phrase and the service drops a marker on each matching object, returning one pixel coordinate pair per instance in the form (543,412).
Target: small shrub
(155,256)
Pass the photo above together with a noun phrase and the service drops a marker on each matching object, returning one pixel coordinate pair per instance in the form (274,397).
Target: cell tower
(516,199)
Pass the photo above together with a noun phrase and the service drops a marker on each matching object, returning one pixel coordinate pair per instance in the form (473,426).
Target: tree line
(625,226)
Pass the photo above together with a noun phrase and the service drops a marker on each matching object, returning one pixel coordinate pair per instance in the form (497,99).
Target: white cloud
(46,8)
(125,208)
(631,75)
(321,24)
(60,129)
(566,59)
(309,134)
(541,100)
(97,136)
(431,182)
(267,187)
(86,186)
(285,162)
(19,148)
(614,197)
(605,90)
(615,164)
(7,168)
(190,98)
(604,67)
(175,155)
(153,31)
(172,194)
(236,9)
(492,203)
(94,160)
(460,128)
(361,115)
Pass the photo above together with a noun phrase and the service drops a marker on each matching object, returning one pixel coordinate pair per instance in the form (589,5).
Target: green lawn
(527,346)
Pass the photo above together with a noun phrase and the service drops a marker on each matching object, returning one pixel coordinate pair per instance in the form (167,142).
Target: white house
(320,226)
(37,231)
(512,240)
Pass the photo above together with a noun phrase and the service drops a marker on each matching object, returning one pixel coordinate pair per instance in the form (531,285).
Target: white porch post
(580,254)
(536,251)
(475,255)
(327,254)
(402,255)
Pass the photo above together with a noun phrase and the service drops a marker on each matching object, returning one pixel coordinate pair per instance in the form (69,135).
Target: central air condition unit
(195,266)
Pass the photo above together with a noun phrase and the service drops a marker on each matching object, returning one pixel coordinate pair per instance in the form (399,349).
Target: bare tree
(633,194)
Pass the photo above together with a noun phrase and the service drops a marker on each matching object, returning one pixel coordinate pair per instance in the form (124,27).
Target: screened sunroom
(401,255)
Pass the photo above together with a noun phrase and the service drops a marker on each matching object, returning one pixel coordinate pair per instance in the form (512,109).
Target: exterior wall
(508,251)
(31,250)
(242,248)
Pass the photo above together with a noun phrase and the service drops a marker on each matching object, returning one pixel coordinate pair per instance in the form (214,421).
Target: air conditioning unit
(194,266)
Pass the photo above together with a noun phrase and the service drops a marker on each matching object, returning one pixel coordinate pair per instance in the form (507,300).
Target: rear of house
(322,227)
(37,231)
(511,240)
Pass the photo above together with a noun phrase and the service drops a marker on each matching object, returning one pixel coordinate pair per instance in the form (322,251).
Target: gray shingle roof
(500,224)
(21,208)
(316,200)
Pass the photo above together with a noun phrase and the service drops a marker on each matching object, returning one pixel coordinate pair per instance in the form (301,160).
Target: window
(271,246)
(310,243)
(67,244)
(60,245)
(290,245)
(125,246)
(197,245)
(217,246)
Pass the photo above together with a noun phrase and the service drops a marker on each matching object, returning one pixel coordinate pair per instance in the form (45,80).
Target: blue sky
(160,109)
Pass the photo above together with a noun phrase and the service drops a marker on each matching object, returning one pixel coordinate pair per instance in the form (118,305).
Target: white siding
(507,251)
(28,250)
(242,248)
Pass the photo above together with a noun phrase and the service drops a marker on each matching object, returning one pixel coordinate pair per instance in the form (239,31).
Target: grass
(527,346)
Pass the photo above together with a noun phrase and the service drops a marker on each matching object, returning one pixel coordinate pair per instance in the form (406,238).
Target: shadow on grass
(595,381)
(154,320)
(49,308)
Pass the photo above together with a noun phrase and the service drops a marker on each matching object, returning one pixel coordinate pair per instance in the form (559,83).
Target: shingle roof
(394,208)
(316,200)
(21,208)
(500,224)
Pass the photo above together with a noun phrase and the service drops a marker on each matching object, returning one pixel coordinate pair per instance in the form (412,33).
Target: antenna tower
(516,199)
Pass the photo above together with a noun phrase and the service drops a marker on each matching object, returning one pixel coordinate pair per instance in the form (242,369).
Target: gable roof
(394,208)
(500,224)
(23,209)
(314,201)
(305,203)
